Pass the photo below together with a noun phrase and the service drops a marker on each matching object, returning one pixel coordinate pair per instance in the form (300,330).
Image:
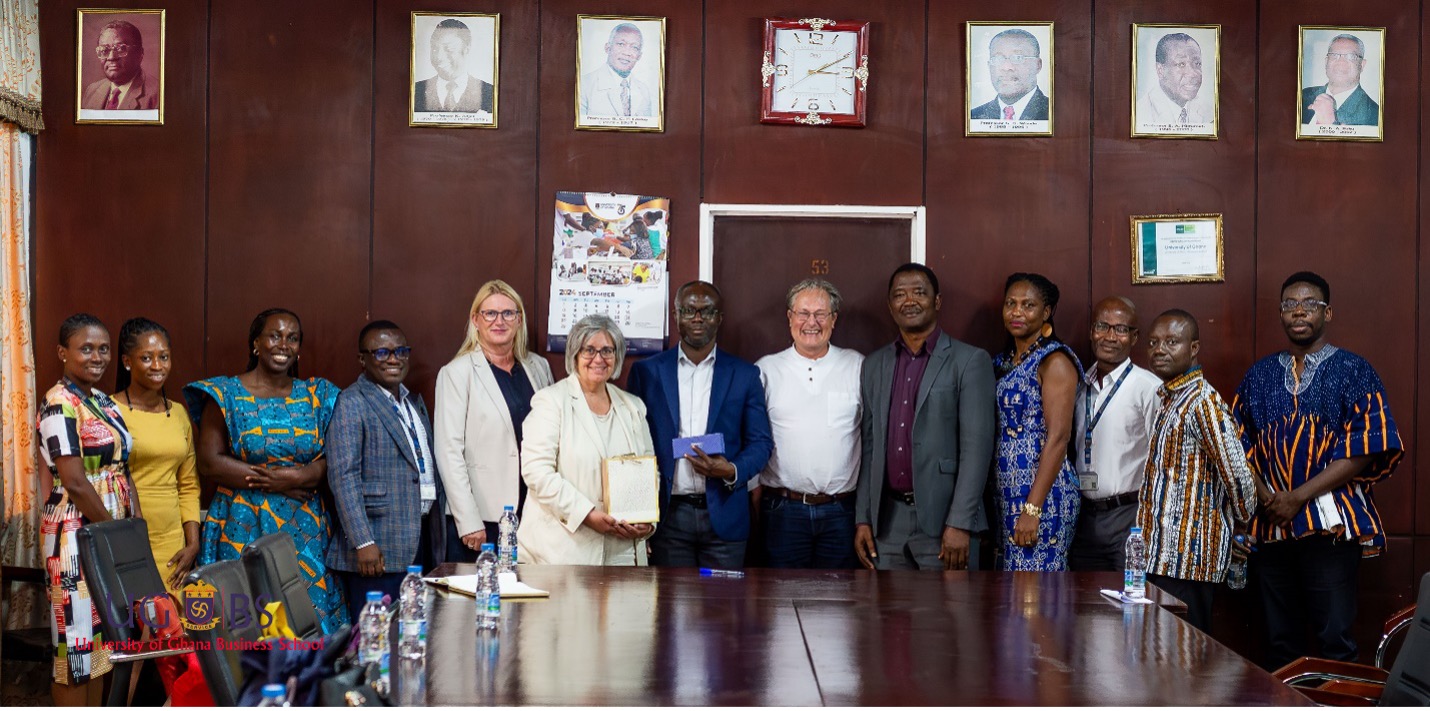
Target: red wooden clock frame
(768,114)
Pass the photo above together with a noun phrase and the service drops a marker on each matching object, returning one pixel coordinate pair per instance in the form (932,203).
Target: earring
(1047,330)
(126,367)
(255,351)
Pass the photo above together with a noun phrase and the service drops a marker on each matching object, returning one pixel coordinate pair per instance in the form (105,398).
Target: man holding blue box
(692,390)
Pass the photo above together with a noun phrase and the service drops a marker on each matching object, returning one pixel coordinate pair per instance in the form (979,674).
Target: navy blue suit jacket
(737,411)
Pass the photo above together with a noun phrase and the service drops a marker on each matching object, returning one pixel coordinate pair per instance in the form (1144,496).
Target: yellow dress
(165,477)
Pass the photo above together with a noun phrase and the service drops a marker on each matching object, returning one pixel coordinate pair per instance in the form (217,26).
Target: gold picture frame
(1348,122)
(603,39)
(445,99)
(1177,249)
(1170,100)
(981,98)
(114,88)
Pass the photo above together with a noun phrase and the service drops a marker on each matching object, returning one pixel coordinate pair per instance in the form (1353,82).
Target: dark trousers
(1311,582)
(1197,595)
(390,584)
(1100,541)
(457,551)
(685,539)
(798,535)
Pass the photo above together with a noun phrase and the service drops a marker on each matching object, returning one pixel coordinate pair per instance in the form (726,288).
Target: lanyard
(1093,419)
(119,428)
(402,414)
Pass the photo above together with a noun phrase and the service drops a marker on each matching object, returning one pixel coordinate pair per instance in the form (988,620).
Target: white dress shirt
(1156,107)
(413,427)
(1122,435)
(1018,106)
(814,415)
(696,381)
(458,88)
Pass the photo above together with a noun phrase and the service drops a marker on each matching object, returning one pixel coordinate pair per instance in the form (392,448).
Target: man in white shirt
(1179,80)
(611,90)
(1014,62)
(812,395)
(453,88)
(1112,427)
(125,86)
(1341,100)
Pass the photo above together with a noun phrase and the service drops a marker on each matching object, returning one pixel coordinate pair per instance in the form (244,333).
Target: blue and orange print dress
(276,432)
(1023,432)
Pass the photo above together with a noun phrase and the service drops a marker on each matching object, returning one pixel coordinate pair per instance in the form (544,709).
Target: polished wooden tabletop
(667,636)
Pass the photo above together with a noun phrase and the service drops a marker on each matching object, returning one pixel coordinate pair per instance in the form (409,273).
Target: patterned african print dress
(1023,430)
(276,432)
(72,424)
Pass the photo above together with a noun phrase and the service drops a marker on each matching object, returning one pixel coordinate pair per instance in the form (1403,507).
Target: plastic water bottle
(488,590)
(1236,576)
(372,624)
(1134,576)
(274,695)
(412,625)
(506,540)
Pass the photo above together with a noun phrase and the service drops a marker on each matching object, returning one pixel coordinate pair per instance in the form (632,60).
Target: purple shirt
(909,370)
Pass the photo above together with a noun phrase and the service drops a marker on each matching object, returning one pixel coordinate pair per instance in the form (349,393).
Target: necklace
(130,403)
(1018,358)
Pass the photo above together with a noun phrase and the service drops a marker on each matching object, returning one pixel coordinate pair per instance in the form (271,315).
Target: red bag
(182,677)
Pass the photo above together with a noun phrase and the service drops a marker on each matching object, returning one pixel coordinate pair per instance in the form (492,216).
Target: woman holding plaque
(574,427)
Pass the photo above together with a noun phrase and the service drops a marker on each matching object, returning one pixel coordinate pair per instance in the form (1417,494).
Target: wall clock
(815,72)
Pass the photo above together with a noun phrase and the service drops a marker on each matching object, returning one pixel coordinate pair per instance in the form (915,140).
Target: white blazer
(561,463)
(476,449)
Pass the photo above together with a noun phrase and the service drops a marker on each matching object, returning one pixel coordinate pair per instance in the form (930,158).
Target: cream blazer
(561,462)
(476,451)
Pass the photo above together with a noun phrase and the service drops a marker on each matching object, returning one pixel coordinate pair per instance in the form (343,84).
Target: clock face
(814,71)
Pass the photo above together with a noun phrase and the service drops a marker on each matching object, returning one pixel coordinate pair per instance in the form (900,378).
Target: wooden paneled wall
(286,175)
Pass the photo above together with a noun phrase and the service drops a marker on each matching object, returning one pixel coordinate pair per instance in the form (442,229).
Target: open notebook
(510,586)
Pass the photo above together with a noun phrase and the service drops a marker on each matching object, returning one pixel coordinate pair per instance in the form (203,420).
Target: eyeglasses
(506,315)
(590,352)
(1184,66)
(1309,305)
(706,313)
(1014,58)
(402,353)
(1121,329)
(104,51)
(1346,56)
(820,317)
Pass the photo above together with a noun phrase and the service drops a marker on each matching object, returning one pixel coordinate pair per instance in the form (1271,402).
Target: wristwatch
(1034,511)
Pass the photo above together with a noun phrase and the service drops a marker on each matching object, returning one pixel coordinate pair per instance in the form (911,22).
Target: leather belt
(809,499)
(1109,503)
(904,496)
(696,500)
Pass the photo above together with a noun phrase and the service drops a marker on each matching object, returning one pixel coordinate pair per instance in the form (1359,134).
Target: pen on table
(717,573)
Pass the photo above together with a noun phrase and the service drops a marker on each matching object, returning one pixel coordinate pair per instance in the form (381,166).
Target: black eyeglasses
(707,313)
(402,353)
(1120,329)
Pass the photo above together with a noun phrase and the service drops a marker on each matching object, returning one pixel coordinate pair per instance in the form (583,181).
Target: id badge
(1087,481)
(429,492)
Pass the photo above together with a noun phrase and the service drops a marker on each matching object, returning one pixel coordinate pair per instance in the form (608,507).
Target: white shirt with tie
(696,382)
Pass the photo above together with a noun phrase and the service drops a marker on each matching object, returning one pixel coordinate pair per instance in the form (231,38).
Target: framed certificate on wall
(1177,249)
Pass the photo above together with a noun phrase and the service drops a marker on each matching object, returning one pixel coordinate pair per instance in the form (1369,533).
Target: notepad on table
(510,586)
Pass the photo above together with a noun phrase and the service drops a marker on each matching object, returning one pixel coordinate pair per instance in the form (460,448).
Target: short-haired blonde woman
(483,396)
(574,426)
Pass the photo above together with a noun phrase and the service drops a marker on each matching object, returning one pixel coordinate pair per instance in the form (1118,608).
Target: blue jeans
(799,535)
(685,539)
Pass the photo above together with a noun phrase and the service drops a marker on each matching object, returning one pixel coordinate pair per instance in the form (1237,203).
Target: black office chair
(119,569)
(1407,683)
(220,666)
(271,563)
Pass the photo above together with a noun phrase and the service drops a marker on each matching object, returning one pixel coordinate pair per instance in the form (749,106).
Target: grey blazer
(955,429)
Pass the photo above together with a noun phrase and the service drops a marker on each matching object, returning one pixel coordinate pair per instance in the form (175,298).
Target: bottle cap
(1137,529)
(273,691)
(508,508)
(488,547)
(374,596)
(415,570)
(1239,538)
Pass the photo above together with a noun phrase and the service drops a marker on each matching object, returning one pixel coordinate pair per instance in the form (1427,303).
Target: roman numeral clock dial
(815,72)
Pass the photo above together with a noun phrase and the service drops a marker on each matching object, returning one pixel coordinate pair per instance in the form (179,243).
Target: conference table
(668,636)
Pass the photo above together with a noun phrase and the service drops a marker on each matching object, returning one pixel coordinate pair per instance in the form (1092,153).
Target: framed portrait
(1176,81)
(454,70)
(1340,83)
(1177,249)
(1009,82)
(620,73)
(119,75)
